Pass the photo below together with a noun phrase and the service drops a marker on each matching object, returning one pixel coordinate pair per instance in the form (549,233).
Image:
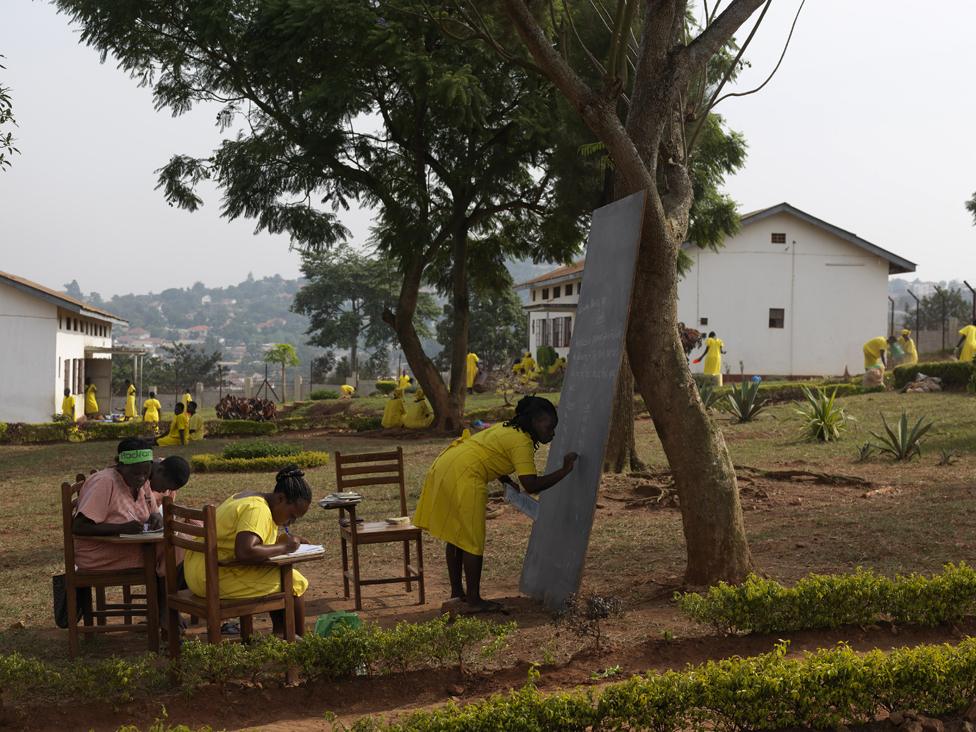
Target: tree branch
(718,33)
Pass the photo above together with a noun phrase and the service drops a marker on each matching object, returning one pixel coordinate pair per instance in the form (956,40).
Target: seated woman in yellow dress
(253,527)
(418,414)
(179,428)
(393,411)
(455,494)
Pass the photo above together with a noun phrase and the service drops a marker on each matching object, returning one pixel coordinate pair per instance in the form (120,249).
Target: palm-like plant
(824,419)
(709,394)
(902,442)
(744,403)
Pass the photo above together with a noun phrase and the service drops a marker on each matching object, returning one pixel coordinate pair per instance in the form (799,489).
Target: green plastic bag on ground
(326,624)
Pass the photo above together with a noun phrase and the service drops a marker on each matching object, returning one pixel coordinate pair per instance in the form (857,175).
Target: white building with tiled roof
(790,295)
(52,342)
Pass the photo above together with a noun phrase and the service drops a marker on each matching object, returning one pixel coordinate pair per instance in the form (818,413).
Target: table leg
(152,596)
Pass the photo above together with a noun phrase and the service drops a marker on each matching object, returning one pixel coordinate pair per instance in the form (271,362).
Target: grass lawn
(912,517)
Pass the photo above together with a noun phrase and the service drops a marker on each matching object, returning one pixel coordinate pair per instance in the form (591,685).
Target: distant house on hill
(791,295)
(54,342)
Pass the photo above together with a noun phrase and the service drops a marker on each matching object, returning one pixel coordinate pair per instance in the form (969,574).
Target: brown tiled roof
(563,271)
(47,293)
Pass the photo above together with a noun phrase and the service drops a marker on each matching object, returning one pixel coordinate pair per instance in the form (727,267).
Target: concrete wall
(73,334)
(536,317)
(834,295)
(28,362)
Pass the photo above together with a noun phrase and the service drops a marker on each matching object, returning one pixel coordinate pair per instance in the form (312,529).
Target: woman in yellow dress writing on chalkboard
(455,494)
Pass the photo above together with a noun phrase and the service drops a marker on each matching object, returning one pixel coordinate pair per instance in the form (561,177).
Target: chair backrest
(69,494)
(178,526)
(372,468)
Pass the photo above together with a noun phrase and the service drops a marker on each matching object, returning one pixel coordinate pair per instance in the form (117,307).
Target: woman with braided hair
(455,493)
(253,527)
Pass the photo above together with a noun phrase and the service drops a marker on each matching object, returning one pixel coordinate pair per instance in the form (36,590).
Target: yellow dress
(68,407)
(197,430)
(235,515)
(911,352)
(418,415)
(91,403)
(472,370)
(187,398)
(713,356)
(393,412)
(873,349)
(152,407)
(403,382)
(180,422)
(455,493)
(130,402)
(347,390)
(969,345)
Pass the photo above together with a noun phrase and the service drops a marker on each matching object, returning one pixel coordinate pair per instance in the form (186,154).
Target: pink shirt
(106,499)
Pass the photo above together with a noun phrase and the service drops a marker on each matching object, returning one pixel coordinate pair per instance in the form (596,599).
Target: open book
(303,551)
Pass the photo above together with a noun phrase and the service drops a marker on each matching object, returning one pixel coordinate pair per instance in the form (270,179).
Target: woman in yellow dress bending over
(714,348)
(130,400)
(455,493)
(966,345)
(252,527)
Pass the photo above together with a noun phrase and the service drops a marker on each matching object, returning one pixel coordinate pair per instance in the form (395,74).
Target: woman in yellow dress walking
(91,402)
(150,411)
(714,348)
(455,493)
(908,346)
(471,372)
(130,401)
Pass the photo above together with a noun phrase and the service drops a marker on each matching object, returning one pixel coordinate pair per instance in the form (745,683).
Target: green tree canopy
(937,307)
(498,329)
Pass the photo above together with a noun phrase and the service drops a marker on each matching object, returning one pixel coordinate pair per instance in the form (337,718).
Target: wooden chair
(177,527)
(369,469)
(96,620)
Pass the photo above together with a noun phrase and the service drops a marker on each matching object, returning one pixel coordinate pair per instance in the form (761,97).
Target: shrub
(902,442)
(831,601)
(114,430)
(210,463)
(823,418)
(320,394)
(744,402)
(238,428)
(545,356)
(26,433)
(365,422)
(708,393)
(954,374)
(385,387)
(260,448)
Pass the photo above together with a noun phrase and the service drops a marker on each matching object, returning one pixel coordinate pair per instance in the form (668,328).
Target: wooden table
(148,544)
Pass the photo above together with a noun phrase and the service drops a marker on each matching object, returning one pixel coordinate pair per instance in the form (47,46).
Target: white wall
(27,359)
(834,294)
(535,328)
(70,346)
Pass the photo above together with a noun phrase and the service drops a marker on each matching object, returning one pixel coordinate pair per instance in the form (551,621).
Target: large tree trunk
(621,453)
(700,463)
(462,312)
(447,416)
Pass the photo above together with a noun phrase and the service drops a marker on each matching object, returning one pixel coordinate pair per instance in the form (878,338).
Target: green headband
(128,457)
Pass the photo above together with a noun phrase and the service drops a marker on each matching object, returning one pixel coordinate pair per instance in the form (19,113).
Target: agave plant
(824,419)
(743,402)
(864,452)
(709,394)
(902,442)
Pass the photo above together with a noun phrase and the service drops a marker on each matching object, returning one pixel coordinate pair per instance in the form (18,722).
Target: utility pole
(917,316)
(891,315)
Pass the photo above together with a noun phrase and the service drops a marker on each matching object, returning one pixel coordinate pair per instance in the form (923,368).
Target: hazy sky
(868,124)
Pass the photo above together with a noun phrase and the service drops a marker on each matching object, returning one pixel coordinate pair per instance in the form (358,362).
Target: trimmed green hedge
(343,654)
(26,433)
(237,428)
(260,448)
(768,692)
(210,463)
(954,374)
(114,430)
(831,601)
(320,394)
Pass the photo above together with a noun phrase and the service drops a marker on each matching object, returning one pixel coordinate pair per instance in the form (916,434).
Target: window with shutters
(777,317)
(778,237)
(567,330)
(545,293)
(555,291)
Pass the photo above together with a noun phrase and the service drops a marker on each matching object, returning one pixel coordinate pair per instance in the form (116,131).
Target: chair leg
(173,631)
(345,569)
(213,628)
(357,592)
(247,628)
(152,596)
(406,564)
(86,606)
(287,588)
(72,620)
(420,569)
(100,604)
(127,600)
